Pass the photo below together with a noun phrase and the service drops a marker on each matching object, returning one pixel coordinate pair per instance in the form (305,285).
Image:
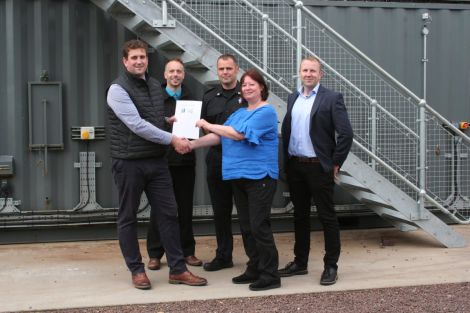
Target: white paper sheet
(187,114)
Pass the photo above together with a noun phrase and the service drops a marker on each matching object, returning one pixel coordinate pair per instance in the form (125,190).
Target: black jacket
(330,130)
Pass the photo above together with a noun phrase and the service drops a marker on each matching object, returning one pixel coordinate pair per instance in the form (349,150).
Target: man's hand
(335,171)
(170,120)
(181,145)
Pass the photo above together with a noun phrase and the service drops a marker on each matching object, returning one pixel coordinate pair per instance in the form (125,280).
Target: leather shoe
(187,278)
(262,284)
(329,276)
(217,264)
(193,261)
(141,281)
(244,279)
(292,269)
(154,264)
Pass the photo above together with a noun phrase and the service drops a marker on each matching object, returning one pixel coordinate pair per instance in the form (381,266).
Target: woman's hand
(202,123)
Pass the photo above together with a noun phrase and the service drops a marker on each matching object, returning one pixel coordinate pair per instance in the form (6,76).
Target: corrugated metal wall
(79,45)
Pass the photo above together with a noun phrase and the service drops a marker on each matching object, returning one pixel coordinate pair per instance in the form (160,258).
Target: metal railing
(390,122)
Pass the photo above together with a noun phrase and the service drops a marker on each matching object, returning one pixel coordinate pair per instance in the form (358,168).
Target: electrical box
(6,165)
(87,133)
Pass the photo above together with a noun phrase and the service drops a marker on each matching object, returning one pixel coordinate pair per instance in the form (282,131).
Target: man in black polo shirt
(217,105)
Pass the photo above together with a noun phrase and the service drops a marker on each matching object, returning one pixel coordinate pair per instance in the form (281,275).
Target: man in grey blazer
(317,137)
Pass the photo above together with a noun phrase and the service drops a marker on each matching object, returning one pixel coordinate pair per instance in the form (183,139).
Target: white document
(187,114)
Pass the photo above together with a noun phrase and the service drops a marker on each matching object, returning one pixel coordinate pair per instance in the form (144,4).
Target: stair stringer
(391,202)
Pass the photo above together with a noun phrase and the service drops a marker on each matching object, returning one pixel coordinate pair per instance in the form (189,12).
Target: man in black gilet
(138,150)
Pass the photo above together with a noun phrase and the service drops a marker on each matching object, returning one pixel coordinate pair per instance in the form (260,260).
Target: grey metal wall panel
(80,46)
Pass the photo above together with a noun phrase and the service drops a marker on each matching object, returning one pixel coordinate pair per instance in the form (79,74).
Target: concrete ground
(84,274)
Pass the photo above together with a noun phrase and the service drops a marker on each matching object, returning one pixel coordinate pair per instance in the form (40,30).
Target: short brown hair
(257,77)
(312,58)
(133,44)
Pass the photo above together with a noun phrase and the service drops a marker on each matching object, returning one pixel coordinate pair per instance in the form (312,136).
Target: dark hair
(227,56)
(257,77)
(133,44)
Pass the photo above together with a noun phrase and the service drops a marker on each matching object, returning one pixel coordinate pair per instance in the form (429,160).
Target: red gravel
(446,298)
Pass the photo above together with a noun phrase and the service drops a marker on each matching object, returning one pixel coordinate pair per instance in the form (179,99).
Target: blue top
(256,156)
(171,93)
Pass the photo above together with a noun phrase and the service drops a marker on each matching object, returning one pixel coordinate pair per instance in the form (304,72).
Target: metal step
(349,182)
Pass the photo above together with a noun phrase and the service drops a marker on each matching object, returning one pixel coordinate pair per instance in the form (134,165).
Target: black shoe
(292,269)
(262,284)
(217,264)
(329,276)
(244,279)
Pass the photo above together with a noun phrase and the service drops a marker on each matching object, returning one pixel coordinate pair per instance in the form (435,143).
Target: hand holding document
(187,113)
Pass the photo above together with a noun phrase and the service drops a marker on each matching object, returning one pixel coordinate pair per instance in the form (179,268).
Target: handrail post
(422,161)
(265,41)
(426,17)
(164,13)
(373,131)
(298,6)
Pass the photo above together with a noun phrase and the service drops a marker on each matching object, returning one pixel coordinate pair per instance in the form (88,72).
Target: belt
(305,159)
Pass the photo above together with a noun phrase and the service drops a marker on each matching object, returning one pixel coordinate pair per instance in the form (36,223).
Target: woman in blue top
(249,140)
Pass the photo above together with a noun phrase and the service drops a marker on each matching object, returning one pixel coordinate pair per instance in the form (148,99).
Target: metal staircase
(390,159)
(171,39)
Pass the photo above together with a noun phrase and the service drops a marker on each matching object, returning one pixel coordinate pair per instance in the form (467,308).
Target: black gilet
(147,96)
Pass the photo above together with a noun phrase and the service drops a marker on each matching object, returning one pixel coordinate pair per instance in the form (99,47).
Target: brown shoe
(187,278)
(141,281)
(154,264)
(193,261)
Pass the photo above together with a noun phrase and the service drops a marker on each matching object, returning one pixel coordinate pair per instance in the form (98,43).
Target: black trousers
(253,199)
(221,198)
(307,180)
(183,178)
(132,177)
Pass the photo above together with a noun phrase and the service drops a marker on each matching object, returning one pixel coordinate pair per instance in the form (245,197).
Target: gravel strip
(446,298)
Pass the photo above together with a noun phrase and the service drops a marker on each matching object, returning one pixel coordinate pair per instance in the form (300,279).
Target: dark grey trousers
(132,177)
